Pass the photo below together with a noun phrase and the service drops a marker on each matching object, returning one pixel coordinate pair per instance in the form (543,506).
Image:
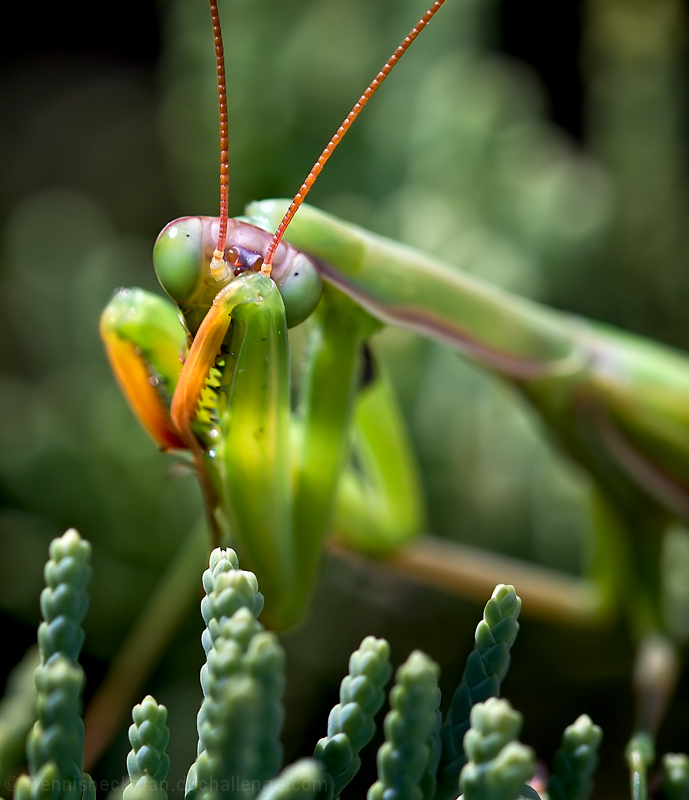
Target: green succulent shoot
(55,746)
(410,727)
(676,776)
(498,766)
(576,761)
(351,725)
(241,716)
(485,670)
(148,762)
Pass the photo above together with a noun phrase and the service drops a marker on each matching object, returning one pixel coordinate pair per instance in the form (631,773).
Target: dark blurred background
(548,137)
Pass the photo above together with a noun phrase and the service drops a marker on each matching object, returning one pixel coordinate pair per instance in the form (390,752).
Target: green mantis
(269,481)
(616,403)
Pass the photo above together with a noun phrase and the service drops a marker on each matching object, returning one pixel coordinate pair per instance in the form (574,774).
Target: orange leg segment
(135,381)
(144,340)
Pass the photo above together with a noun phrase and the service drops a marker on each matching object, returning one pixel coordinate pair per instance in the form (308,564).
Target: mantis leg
(379,503)
(278,508)
(337,334)
(145,343)
(231,408)
(250,460)
(374,505)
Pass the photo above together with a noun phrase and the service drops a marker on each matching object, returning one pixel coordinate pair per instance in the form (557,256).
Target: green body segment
(250,462)
(337,333)
(278,489)
(625,416)
(618,403)
(379,506)
(402,286)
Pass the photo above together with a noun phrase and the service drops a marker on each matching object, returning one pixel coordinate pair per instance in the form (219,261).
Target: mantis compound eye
(178,258)
(300,289)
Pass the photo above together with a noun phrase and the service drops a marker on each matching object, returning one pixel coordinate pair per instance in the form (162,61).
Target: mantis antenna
(218,260)
(337,138)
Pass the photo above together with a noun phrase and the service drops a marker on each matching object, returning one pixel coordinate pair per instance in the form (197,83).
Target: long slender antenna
(337,138)
(218,266)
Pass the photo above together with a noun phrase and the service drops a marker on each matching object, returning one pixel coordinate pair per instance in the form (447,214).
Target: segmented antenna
(218,266)
(337,138)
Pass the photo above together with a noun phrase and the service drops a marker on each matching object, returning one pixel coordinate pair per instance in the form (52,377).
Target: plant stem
(473,573)
(640,754)
(656,670)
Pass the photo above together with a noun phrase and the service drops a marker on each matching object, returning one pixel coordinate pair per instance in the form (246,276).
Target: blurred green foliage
(455,152)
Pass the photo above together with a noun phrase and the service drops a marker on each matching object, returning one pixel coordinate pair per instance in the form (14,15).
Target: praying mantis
(615,402)
(283,468)
(229,404)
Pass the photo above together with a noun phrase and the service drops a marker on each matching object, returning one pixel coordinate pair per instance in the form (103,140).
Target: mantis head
(196,257)
(182,261)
